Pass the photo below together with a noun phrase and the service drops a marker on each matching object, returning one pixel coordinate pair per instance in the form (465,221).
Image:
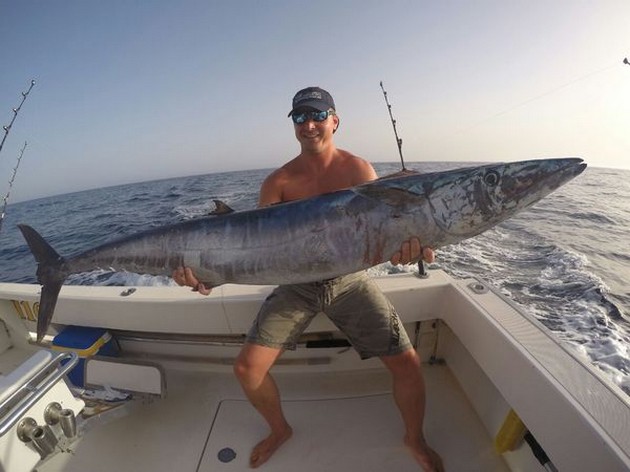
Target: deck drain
(226,454)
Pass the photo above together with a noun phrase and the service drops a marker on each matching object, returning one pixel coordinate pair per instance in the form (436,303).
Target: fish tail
(50,273)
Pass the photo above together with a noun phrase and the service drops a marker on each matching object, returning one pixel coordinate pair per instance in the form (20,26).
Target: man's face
(314,135)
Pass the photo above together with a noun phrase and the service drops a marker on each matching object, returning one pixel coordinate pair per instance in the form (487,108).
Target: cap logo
(313,94)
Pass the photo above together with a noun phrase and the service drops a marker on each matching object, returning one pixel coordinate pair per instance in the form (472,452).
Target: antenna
(398,140)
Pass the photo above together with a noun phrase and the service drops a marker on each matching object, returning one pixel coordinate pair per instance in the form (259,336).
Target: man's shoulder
(346,155)
(271,189)
(277,177)
(357,166)
(350,159)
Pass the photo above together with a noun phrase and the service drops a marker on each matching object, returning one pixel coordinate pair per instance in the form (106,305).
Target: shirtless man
(320,168)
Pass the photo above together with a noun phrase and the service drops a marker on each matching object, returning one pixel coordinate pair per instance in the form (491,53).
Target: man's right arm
(270,190)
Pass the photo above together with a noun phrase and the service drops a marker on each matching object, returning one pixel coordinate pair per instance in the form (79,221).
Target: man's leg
(252,370)
(409,393)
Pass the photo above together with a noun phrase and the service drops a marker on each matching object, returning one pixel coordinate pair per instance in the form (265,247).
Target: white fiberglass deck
(342,431)
(341,408)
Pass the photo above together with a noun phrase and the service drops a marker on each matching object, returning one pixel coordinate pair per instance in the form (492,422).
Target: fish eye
(492,178)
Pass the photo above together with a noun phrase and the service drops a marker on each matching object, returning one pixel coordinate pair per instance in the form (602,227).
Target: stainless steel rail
(33,389)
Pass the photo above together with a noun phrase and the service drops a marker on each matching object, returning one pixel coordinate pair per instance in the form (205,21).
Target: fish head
(466,202)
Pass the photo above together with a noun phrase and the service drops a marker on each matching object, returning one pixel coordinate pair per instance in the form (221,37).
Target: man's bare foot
(429,460)
(265,448)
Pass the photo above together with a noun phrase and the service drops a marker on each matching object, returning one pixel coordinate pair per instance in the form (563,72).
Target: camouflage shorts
(352,302)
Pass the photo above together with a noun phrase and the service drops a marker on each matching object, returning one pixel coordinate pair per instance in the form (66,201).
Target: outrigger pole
(398,140)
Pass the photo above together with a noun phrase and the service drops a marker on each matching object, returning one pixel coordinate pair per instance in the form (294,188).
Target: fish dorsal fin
(400,173)
(221,208)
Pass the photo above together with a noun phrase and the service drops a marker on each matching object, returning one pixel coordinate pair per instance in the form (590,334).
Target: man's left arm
(410,250)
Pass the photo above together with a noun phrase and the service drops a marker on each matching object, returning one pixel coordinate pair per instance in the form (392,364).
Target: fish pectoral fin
(221,208)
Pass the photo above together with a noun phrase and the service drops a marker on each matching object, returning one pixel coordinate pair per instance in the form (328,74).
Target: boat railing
(33,387)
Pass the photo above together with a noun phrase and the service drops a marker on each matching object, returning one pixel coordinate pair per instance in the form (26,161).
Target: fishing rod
(7,128)
(11,180)
(398,140)
(422,272)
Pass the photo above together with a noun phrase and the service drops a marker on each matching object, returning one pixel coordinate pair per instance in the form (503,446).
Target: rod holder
(66,418)
(25,429)
(42,437)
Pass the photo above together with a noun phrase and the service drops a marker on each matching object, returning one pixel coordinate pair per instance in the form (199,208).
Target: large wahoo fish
(320,237)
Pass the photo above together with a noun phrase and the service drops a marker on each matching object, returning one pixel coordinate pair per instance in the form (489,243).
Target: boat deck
(497,360)
(206,419)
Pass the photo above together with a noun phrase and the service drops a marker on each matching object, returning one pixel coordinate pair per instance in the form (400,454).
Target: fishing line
(537,97)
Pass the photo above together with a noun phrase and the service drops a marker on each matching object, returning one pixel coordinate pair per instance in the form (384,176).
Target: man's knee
(403,363)
(244,366)
(241,368)
(254,362)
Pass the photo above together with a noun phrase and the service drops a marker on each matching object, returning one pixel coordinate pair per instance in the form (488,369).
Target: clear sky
(129,91)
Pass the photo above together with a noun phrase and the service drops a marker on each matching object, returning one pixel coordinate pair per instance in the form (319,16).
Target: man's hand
(184,276)
(412,251)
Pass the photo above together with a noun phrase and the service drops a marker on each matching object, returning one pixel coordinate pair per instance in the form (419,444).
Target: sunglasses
(317,116)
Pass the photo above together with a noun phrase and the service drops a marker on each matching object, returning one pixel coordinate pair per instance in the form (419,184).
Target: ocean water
(566,260)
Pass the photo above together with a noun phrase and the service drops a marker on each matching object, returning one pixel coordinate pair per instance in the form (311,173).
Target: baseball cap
(313,97)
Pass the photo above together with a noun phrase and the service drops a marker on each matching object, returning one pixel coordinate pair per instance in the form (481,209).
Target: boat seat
(133,377)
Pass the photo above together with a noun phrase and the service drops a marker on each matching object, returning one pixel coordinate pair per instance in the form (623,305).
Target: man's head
(313,104)
(312,98)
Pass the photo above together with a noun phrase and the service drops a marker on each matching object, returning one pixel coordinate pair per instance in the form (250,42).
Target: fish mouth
(544,179)
(574,167)
(568,169)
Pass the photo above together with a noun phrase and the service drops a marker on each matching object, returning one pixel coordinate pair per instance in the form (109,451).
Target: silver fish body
(319,237)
